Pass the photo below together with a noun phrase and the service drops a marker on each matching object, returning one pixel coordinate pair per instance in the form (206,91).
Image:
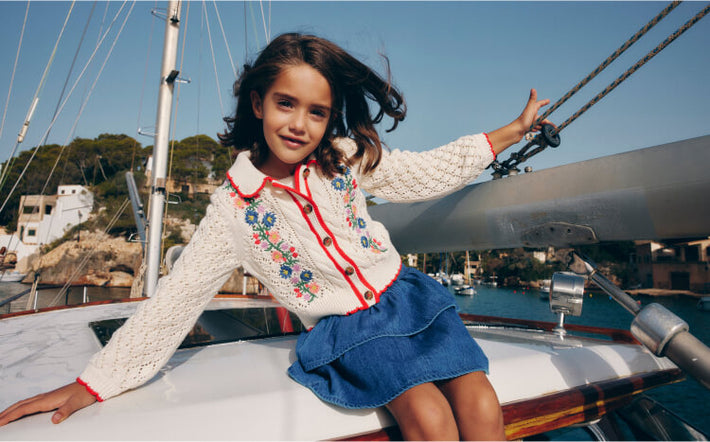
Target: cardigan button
(327,241)
(306,172)
(307,209)
(349,270)
(369,295)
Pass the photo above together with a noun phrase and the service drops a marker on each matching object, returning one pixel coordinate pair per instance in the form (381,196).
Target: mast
(168,74)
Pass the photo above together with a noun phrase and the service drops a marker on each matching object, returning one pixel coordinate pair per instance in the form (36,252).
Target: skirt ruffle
(365,360)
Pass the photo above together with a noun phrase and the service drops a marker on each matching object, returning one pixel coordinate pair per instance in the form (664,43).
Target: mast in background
(168,74)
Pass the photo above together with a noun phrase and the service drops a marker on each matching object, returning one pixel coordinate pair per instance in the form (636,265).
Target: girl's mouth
(292,142)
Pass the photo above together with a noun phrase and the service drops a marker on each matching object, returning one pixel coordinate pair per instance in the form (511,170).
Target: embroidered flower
(269,220)
(338,184)
(364,242)
(306,275)
(267,238)
(347,185)
(285,271)
(251,217)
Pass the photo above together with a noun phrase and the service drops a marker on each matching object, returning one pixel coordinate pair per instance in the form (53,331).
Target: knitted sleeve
(404,176)
(148,339)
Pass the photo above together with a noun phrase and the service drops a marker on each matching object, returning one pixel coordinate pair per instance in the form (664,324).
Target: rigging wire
(224,37)
(214,61)
(267,31)
(86,100)
(509,166)
(34,101)
(254,25)
(14,68)
(172,128)
(79,268)
(145,77)
(51,124)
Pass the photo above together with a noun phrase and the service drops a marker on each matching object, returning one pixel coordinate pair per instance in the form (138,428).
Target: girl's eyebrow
(282,95)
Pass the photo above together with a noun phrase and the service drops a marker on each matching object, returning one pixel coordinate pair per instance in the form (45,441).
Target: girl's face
(295,112)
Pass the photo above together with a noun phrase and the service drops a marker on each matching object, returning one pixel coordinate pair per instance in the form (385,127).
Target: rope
(609,60)
(542,142)
(636,66)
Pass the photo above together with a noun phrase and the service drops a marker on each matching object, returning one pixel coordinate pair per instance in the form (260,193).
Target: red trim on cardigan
(89,389)
(491,146)
(325,249)
(256,193)
(337,246)
(396,275)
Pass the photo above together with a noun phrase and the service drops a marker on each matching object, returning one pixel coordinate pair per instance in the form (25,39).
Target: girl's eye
(284,103)
(319,113)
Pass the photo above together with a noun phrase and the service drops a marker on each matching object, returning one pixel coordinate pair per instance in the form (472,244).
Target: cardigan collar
(249,181)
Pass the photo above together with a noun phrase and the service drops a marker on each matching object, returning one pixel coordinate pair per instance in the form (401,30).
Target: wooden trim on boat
(558,410)
(579,404)
(616,335)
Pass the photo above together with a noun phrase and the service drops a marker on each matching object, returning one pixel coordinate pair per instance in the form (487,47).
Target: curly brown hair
(352,84)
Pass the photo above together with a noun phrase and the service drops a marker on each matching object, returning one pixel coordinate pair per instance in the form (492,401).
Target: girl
(291,212)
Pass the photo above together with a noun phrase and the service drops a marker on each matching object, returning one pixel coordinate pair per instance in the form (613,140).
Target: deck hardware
(658,329)
(558,234)
(566,297)
(655,326)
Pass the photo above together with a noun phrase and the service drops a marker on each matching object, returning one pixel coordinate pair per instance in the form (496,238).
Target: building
(45,218)
(674,266)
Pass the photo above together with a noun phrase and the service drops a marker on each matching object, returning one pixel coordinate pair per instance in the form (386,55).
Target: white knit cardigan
(312,244)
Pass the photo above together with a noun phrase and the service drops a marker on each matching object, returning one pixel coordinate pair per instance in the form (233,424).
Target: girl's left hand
(529,115)
(512,133)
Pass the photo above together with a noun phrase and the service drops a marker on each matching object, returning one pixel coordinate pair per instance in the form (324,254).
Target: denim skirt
(412,336)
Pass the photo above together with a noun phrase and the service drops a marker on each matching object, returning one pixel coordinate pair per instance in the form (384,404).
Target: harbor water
(687,399)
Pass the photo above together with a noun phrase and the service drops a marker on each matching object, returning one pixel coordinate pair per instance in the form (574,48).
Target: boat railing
(7,302)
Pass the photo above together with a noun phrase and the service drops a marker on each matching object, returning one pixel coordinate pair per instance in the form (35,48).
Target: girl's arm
(512,133)
(404,176)
(147,340)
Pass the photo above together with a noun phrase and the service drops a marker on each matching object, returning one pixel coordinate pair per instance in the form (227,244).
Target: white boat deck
(240,390)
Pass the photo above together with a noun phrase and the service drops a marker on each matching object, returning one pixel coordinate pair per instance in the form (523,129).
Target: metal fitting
(654,326)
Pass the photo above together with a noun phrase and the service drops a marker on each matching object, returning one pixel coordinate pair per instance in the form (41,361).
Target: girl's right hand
(66,400)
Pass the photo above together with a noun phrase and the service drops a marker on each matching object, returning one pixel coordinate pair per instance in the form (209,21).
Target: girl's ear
(256,105)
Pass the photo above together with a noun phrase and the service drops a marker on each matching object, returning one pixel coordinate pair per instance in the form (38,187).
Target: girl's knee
(421,416)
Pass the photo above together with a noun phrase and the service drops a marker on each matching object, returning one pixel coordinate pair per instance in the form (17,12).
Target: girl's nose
(298,122)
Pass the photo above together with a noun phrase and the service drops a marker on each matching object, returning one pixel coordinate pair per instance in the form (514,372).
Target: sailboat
(228,380)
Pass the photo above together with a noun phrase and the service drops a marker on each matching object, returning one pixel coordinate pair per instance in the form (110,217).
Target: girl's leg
(423,413)
(475,406)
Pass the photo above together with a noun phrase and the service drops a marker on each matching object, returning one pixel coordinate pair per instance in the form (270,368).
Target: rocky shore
(97,260)
(104,261)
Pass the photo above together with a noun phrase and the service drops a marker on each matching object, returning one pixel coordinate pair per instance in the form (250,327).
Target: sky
(464,67)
